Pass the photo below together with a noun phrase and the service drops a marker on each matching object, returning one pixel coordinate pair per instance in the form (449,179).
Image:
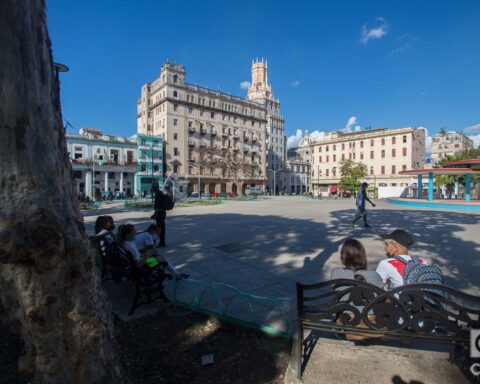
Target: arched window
(175,94)
(175,79)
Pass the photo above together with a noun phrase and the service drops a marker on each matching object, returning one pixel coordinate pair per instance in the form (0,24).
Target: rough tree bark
(49,290)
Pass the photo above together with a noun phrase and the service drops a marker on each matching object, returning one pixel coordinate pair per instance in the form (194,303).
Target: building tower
(260,92)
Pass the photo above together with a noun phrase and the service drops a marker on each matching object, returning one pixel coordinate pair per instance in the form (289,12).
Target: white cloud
(295,83)
(374,33)
(292,141)
(473,132)
(317,135)
(476,140)
(472,129)
(244,85)
(406,42)
(352,125)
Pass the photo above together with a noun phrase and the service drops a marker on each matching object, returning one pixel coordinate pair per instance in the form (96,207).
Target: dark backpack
(419,273)
(168,203)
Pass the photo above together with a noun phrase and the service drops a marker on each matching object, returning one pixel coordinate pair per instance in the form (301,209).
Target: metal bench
(422,312)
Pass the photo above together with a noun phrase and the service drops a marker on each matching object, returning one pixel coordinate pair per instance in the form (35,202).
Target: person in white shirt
(397,245)
(148,241)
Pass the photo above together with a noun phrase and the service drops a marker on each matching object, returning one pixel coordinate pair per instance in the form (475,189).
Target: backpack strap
(400,258)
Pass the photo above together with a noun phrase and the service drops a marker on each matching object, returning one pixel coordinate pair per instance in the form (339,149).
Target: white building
(385,152)
(448,144)
(108,160)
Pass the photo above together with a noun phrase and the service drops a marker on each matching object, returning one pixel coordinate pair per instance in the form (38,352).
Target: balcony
(235,135)
(245,138)
(213,132)
(255,138)
(191,142)
(191,129)
(254,149)
(235,148)
(225,133)
(224,145)
(203,131)
(203,143)
(246,148)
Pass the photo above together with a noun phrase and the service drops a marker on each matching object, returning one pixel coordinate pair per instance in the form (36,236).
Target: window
(371,143)
(175,94)
(189,124)
(143,167)
(326,149)
(176,169)
(334,147)
(175,106)
(326,172)
(326,159)
(319,159)
(394,152)
(175,152)
(320,149)
(394,140)
(383,153)
(175,121)
(371,170)
(404,151)
(334,171)
(175,136)
(343,145)
(383,141)
(361,155)
(394,170)
(404,167)
(343,157)
(404,139)
(334,157)
(212,115)
(175,79)
(371,154)
(383,170)
(190,110)
(361,144)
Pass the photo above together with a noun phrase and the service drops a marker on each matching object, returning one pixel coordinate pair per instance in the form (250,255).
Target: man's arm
(370,201)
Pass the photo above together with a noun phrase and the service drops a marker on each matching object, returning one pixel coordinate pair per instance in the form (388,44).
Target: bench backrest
(428,311)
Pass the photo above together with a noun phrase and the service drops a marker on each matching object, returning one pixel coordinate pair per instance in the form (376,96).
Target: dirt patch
(168,348)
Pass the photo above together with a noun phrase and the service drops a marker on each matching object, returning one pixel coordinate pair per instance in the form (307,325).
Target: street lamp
(274,180)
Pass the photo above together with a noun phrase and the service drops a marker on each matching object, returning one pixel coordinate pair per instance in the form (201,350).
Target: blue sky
(333,65)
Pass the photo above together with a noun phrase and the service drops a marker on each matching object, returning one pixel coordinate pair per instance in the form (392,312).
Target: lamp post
(274,179)
(151,153)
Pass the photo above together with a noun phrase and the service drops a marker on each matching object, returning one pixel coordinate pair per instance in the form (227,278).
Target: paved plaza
(265,246)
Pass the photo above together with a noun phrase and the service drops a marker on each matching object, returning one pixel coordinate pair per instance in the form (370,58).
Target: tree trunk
(49,289)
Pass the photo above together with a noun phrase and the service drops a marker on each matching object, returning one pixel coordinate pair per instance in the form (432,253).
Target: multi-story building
(214,141)
(110,161)
(149,163)
(385,152)
(260,92)
(447,144)
(297,177)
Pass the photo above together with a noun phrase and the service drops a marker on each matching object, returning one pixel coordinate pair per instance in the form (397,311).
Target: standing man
(361,211)
(160,213)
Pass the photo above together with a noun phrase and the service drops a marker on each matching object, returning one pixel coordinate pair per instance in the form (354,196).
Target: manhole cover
(229,247)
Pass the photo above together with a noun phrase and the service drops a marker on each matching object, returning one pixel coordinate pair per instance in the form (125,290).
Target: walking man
(361,211)
(160,213)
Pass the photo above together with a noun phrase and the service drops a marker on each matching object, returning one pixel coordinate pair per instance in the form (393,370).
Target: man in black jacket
(160,213)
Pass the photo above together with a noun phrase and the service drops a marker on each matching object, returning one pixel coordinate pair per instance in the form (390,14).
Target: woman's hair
(123,231)
(353,257)
(101,222)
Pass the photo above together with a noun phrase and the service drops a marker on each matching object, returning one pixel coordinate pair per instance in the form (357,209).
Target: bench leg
(299,341)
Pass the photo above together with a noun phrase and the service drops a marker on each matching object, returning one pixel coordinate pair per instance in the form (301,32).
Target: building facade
(213,141)
(149,163)
(385,152)
(297,177)
(448,144)
(260,91)
(102,163)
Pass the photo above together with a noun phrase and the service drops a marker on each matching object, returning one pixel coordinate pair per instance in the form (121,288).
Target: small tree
(442,131)
(351,173)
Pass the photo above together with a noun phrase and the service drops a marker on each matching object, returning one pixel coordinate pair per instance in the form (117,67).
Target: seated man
(147,241)
(391,270)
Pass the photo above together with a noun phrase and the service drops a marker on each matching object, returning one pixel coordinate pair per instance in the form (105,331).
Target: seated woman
(104,227)
(354,260)
(146,242)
